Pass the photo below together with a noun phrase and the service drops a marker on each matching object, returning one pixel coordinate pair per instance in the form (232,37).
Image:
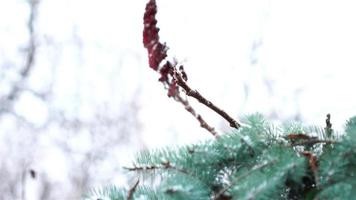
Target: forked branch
(195,94)
(170,77)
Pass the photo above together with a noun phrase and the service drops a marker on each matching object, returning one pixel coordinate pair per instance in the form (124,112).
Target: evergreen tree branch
(256,168)
(247,165)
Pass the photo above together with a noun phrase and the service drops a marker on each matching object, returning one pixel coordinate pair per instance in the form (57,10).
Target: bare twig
(298,136)
(132,190)
(195,94)
(313,164)
(164,165)
(313,141)
(146,168)
(191,110)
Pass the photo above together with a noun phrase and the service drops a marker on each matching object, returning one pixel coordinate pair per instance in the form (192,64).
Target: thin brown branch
(298,136)
(164,165)
(195,94)
(312,142)
(146,168)
(313,164)
(132,190)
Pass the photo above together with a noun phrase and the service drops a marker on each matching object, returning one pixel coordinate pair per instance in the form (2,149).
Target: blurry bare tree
(8,99)
(14,167)
(89,147)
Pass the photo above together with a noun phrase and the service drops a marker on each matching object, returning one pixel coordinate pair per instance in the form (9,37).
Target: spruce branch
(232,183)
(166,165)
(132,190)
(225,169)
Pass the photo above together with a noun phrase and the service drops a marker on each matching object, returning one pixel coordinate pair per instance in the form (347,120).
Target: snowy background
(78,100)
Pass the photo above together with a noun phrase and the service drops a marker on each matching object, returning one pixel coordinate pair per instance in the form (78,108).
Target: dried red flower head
(156,50)
(165,71)
(173,89)
(173,79)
